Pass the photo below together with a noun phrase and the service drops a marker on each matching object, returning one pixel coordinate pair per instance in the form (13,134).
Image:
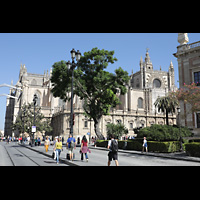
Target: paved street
(14,154)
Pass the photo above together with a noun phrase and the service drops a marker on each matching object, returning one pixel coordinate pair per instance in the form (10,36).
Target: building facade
(188,57)
(137,108)
(31,84)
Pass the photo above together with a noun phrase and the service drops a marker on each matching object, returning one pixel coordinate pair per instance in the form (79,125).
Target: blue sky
(39,51)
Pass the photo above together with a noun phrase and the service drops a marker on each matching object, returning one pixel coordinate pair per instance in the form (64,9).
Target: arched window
(140,102)
(137,83)
(33,82)
(156,83)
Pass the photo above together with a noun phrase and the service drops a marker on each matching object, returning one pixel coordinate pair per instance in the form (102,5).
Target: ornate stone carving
(183,38)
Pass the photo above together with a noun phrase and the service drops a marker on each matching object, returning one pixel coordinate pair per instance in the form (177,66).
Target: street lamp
(179,124)
(35,98)
(24,112)
(71,66)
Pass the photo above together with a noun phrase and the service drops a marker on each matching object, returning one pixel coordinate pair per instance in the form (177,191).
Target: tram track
(9,156)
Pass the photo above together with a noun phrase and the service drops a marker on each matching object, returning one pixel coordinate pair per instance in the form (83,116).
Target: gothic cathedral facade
(137,108)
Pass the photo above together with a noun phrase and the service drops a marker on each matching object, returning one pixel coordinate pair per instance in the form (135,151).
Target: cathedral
(136,110)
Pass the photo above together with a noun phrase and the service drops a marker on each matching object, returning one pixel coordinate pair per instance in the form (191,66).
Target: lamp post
(71,66)
(35,98)
(24,112)
(179,124)
(34,102)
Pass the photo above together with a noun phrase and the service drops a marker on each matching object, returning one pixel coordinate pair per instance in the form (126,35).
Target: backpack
(72,145)
(114,146)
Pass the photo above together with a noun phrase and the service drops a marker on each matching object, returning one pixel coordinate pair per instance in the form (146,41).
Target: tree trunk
(97,129)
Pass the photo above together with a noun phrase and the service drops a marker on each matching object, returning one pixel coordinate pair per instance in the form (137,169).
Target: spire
(141,60)
(171,64)
(171,67)
(147,59)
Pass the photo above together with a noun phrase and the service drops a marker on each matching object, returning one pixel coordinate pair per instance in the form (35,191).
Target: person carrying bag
(57,148)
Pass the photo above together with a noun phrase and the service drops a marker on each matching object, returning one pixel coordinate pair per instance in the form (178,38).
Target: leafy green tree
(117,129)
(166,104)
(61,80)
(95,86)
(25,120)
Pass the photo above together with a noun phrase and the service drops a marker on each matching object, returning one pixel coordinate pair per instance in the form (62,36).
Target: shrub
(164,147)
(163,133)
(134,145)
(116,129)
(102,143)
(153,146)
(193,149)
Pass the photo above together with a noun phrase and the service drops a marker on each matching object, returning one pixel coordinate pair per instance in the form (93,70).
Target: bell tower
(148,63)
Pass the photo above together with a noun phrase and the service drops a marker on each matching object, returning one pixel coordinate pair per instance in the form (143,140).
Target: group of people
(71,145)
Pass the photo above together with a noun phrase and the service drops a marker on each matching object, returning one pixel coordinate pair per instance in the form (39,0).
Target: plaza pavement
(102,159)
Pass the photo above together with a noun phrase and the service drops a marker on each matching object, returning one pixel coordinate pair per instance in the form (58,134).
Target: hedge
(164,147)
(102,143)
(158,132)
(153,146)
(193,149)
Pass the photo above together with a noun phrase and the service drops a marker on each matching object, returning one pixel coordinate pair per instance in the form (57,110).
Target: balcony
(193,45)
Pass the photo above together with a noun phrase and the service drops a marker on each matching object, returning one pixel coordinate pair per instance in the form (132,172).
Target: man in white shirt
(113,151)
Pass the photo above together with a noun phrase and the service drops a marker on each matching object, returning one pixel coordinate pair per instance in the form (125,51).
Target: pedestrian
(144,145)
(36,141)
(46,144)
(39,141)
(95,142)
(84,148)
(7,140)
(54,144)
(57,148)
(28,139)
(113,150)
(71,145)
(62,140)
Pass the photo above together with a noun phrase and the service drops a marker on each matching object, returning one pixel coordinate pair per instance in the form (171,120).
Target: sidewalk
(176,155)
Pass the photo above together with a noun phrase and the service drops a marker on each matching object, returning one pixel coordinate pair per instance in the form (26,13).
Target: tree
(95,86)
(117,129)
(24,120)
(166,104)
(189,94)
(61,80)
